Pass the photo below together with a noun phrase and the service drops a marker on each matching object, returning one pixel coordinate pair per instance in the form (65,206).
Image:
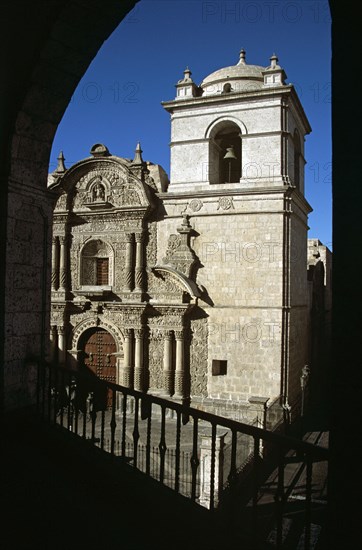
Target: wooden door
(99,348)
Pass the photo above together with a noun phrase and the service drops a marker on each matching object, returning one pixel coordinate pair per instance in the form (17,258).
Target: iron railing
(166,439)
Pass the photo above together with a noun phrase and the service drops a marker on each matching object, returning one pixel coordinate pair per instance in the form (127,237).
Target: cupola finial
(187,73)
(242,57)
(273,61)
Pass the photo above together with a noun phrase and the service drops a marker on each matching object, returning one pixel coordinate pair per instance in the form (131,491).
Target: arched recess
(225,150)
(87,324)
(41,79)
(96,264)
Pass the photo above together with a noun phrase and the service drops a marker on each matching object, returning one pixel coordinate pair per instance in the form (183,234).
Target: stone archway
(98,355)
(49,47)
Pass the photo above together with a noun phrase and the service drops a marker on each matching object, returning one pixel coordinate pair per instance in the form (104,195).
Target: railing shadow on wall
(216,462)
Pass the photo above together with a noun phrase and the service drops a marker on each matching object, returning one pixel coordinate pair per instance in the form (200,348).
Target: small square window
(219,367)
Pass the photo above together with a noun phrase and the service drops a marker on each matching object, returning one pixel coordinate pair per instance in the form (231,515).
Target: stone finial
(99,150)
(60,169)
(187,74)
(242,57)
(273,61)
(138,155)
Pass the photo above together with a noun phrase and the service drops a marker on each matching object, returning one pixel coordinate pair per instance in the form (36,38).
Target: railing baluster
(113,423)
(56,394)
(93,414)
(232,473)
(256,463)
(124,423)
(85,412)
(69,404)
(308,503)
(280,499)
(212,469)
(162,445)
(50,371)
(103,413)
(61,400)
(75,405)
(148,443)
(177,452)
(136,433)
(41,389)
(194,458)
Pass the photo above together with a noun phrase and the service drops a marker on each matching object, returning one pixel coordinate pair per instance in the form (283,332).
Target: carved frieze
(61,203)
(225,203)
(195,205)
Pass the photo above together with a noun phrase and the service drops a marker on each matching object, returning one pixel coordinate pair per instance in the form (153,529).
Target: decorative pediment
(103,183)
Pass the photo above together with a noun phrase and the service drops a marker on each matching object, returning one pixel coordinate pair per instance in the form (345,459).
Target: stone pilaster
(127,366)
(180,366)
(63,264)
(55,263)
(139,275)
(138,378)
(128,275)
(167,363)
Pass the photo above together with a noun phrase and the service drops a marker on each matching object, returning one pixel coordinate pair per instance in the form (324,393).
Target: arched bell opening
(225,153)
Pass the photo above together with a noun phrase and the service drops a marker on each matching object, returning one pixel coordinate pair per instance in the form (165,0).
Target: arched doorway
(98,355)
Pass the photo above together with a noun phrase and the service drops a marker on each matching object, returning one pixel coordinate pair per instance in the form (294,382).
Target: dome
(238,77)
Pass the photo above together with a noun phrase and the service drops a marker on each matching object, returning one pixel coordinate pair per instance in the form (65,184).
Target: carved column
(61,345)
(128,275)
(167,363)
(180,366)
(55,263)
(138,373)
(127,366)
(139,263)
(63,262)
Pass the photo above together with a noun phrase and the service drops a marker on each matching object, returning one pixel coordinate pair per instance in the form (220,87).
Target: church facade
(193,287)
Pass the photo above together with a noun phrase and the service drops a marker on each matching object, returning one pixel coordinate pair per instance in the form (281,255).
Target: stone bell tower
(237,171)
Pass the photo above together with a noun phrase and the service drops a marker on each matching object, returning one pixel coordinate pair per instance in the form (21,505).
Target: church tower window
(225,153)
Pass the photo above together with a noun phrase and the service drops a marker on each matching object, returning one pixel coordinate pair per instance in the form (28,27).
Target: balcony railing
(217,462)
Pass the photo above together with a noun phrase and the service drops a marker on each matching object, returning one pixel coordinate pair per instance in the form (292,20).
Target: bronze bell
(230,153)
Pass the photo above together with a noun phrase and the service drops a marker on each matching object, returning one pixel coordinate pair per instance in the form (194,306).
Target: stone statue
(98,192)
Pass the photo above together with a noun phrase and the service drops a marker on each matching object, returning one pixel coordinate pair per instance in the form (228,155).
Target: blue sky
(118,100)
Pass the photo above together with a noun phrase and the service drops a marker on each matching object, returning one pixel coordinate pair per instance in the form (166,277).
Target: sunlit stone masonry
(192,287)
